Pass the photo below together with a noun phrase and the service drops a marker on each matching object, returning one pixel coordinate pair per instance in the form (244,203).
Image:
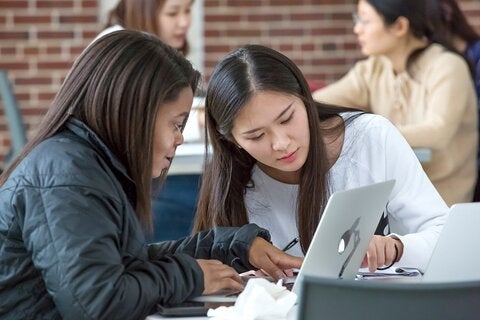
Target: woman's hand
(218,276)
(272,260)
(381,252)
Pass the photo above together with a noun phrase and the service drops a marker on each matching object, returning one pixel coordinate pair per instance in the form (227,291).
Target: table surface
(292,315)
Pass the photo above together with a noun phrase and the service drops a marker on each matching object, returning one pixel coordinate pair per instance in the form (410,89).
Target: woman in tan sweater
(422,86)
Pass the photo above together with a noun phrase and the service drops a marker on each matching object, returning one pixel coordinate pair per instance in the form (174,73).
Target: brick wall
(39,39)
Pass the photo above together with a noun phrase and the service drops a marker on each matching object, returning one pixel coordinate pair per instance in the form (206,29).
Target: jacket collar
(81,130)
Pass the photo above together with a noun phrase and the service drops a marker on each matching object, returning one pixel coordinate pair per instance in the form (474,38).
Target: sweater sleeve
(416,211)
(90,268)
(450,95)
(227,244)
(350,91)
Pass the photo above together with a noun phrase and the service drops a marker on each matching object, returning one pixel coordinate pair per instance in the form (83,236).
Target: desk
(292,315)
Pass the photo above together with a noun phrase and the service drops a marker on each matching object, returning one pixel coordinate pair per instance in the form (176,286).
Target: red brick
(315,16)
(6,142)
(329,46)
(17,35)
(287,32)
(8,50)
(13,4)
(243,33)
(307,47)
(55,34)
(31,51)
(211,33)
(13,65)
(33,80)
(89,35)
(45,96)
(222,18)
(89,4)
(54,4)
(31,19)
(211,3)
(76,50)
(340,31)
(217,48)
(265,17)
(329,61)
(241,3)
(54,65)
(286,47)
(284,3)
(54,50)
(78,19)
(23,96)
(36,111)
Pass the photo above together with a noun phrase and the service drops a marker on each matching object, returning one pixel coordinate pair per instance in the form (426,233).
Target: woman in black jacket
(75,203)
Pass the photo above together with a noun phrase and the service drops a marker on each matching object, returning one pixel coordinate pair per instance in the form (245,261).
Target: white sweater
(373,151)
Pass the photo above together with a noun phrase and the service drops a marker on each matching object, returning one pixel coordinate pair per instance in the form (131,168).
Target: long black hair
(116,87)
(234,81)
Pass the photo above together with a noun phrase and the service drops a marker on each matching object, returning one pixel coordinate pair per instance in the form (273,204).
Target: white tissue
(261,300)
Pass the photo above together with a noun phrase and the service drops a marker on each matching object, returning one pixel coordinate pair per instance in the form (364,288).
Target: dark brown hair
(416,12)
(227,173)
(116,87)
(141,15)
(449,21)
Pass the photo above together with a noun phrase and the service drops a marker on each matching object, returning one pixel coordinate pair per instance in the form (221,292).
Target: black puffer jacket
(72,247)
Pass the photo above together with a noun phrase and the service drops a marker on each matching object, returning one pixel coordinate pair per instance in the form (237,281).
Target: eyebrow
(183,114)
(278,117)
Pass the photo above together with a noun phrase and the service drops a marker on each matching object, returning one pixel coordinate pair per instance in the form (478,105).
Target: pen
(290,244)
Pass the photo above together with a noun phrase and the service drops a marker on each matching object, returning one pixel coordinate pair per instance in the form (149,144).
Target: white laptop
(344,232)
(455,257)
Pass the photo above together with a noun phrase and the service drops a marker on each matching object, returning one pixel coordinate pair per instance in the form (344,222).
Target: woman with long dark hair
(75,203)
(277,155)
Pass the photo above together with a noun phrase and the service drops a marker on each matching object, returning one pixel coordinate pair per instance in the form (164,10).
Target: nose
(179,139)
(184,20)
(357,27)
(280,141)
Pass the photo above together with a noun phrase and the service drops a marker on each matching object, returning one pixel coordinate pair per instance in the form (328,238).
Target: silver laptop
(455,257)
(342,236)
(344,232)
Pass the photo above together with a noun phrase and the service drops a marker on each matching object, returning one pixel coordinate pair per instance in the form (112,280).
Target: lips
(288,155)
(291,157)
(181,37)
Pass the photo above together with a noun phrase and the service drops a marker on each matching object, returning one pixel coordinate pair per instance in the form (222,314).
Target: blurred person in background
(421,83)
(169,20)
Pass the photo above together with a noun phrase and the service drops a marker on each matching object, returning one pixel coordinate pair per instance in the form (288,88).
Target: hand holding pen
(290,245)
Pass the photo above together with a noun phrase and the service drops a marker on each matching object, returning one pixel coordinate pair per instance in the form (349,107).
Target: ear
(400,27)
